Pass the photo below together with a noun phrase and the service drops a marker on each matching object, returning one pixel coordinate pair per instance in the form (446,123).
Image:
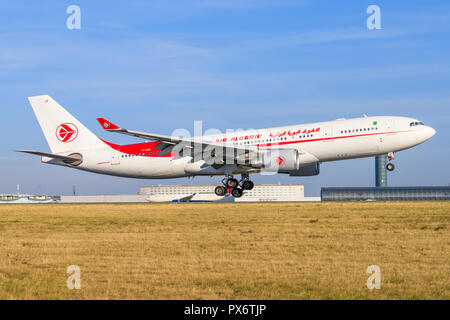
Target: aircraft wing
(187,198)
(194,144)
(108,126)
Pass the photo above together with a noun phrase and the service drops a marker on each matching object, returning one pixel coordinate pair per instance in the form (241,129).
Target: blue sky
(159,65)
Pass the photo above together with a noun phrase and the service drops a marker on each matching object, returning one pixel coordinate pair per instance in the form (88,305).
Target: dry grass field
(226,251)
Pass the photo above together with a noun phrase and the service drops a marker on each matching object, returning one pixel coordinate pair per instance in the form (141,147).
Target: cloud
(308,38)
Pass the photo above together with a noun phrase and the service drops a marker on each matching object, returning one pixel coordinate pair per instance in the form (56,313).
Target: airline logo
(281,161)
(107,125)
(66,132)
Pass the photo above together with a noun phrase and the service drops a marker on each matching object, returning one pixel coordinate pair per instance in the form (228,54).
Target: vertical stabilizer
(63,132)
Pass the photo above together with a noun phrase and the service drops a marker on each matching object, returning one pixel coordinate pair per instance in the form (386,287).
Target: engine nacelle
(280,160)
(309,170)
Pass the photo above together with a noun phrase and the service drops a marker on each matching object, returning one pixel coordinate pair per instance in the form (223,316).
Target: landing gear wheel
(390,167)
(220,191)
(237,192)
(247,185)
(232,183)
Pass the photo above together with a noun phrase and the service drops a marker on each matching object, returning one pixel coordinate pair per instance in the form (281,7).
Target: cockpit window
(416,123)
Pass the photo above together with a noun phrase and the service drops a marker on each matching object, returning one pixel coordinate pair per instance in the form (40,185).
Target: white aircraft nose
(431,131)
(428,132)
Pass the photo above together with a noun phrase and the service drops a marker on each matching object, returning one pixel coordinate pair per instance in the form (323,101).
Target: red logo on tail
(66,132)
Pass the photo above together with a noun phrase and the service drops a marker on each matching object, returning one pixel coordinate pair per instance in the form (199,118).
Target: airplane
(190,197)
(297,150)
(170,198)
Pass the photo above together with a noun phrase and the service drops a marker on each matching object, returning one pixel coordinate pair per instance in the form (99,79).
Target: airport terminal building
(260,193)
(387,194)
(199,193)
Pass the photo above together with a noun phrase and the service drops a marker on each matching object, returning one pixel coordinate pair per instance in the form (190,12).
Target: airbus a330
(296,150)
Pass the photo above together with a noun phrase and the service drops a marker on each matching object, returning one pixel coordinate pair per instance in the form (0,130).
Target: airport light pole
(380,171)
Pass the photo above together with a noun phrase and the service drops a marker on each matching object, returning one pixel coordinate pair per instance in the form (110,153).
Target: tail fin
(62,131)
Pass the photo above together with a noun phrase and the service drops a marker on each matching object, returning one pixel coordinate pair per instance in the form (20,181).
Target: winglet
(107,125)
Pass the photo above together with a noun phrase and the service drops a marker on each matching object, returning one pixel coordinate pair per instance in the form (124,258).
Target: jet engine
(309,170)
(280,160)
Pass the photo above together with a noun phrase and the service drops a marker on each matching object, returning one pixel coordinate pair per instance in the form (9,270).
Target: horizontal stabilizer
(51,155)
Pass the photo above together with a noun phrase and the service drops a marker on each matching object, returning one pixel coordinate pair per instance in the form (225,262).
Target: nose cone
(431,132)
(427,133)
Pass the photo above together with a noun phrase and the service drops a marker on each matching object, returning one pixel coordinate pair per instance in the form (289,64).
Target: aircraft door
(115,158)
(390,125)
(327,132)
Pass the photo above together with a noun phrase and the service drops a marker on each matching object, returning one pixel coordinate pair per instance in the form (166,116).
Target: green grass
(226,251)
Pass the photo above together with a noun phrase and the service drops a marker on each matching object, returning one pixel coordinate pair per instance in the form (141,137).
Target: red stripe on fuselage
(148,149)
(323,139)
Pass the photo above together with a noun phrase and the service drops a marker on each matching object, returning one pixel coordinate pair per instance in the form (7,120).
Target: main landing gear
(390,166)
(233,186)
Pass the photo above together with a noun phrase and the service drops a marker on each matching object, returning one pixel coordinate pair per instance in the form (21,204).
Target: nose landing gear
(390,166)
(233,186)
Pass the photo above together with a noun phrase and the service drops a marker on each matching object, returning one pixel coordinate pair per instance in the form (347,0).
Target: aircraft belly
(133,167)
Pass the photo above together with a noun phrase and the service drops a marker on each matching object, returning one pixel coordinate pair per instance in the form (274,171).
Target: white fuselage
(316,142)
